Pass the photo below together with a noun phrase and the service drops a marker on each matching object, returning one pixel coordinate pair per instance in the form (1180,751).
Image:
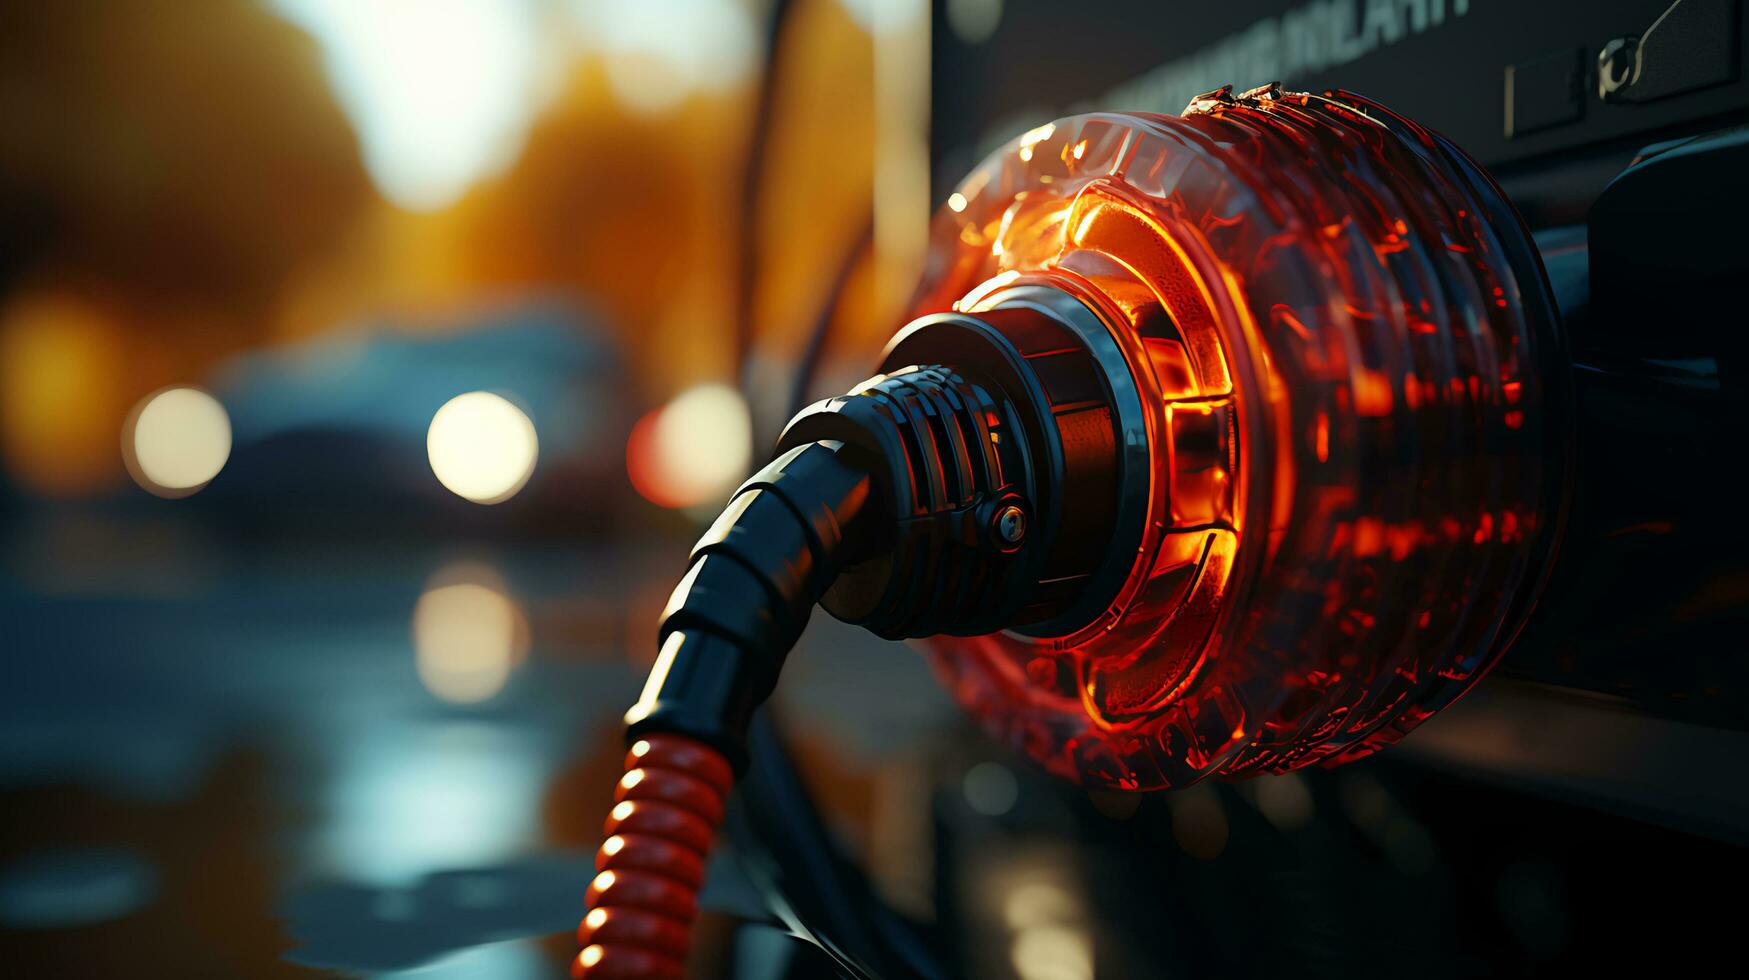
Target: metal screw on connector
(1010,525)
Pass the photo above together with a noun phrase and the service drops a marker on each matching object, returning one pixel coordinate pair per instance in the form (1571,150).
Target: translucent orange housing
(1352,378)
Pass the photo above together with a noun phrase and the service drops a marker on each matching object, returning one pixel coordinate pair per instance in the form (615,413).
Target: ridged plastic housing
(1354,388)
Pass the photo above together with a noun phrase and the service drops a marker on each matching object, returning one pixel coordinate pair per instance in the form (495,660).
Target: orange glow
(1037,135)
(62,374)
(1291,600)
(1372,394)
(1032,138)
(641,466)
(693,450)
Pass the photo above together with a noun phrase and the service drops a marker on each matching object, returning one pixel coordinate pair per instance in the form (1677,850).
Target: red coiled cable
(642,902)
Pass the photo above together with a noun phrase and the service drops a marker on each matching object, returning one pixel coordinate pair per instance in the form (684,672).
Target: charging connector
(980,484)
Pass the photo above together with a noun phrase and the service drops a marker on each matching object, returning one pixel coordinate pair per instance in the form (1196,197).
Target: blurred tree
(177,182)
(164,167)
(637,213)
(186,152)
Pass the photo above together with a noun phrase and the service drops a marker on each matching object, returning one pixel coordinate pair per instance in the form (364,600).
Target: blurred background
(365,371)
(367,368)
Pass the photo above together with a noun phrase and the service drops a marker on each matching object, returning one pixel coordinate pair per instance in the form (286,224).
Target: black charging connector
(993,478)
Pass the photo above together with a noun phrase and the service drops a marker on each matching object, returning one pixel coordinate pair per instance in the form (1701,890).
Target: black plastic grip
(755,577)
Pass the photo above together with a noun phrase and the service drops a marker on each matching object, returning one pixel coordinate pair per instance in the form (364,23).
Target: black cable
(828,895)
(944,496)
(752,184)
(747,594)
(790,814)
(753,580)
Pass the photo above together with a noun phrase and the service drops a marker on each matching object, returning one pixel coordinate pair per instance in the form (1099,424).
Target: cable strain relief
(1010,448)
(755,577)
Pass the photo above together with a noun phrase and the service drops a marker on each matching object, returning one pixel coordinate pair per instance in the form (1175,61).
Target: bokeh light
(63,368)
(176,440)
(468,634)
(659,52)
(442,92)
(1284,800)
(1050,937)
(991,789)
(1053,953)
(692,450)
(482,447)
(974,21)
(1199,822)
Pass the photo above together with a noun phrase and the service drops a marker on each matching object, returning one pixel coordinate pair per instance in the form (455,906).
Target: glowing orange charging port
(1353,384)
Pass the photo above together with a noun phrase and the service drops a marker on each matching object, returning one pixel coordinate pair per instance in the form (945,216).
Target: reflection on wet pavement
(359,927)
(390,764)
(74,888)
(260,777)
